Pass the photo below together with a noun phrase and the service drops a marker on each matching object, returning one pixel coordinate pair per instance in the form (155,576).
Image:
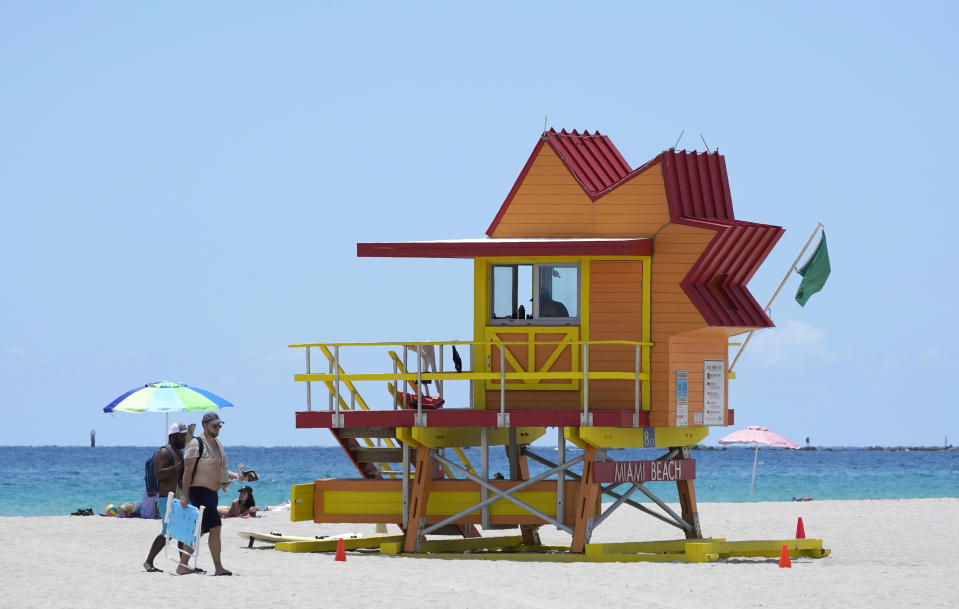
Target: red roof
(697,190)
(591,159)
(478,248)
(697,185)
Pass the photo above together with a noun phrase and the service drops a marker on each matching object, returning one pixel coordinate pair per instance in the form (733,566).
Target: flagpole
(776,293)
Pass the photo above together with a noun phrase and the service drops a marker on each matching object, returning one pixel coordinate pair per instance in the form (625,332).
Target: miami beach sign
(660,470)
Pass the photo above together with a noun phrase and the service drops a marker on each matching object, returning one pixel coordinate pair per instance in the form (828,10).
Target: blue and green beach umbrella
(166,397)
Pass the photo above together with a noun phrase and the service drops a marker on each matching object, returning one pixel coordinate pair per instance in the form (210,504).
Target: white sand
(885,553)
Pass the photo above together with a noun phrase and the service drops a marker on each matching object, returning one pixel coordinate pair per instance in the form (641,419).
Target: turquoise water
(56,480)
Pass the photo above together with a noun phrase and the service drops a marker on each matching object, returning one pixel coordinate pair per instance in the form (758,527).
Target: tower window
(531,293)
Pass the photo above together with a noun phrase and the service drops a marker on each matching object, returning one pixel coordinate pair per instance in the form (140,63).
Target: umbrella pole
(166,425)
(753,482)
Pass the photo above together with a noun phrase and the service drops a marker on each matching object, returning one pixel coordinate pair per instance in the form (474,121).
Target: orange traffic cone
(784,562)
(800,531)
(341,552)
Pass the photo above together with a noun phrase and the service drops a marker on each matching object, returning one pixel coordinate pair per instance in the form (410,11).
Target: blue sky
(183,185)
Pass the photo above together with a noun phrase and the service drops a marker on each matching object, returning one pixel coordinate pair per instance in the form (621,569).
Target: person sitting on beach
(128,510)
(245,505)
(168,465)
(244,476)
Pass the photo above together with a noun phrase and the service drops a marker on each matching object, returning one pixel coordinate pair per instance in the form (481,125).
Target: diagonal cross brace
(500,494)
(608,490)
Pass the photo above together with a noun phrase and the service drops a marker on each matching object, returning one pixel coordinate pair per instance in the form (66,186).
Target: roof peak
(591,158)
(573,133)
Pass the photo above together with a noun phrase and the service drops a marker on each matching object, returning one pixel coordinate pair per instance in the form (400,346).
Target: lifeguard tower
(604,300)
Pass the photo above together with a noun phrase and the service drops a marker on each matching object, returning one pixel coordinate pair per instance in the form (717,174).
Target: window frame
(535,270)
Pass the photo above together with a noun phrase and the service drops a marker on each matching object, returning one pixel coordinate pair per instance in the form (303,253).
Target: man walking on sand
(168,466)
(204,474)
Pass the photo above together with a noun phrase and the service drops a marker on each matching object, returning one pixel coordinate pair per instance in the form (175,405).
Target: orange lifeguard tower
(605,297)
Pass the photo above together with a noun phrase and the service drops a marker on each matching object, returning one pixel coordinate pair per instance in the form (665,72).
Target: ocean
(57,480)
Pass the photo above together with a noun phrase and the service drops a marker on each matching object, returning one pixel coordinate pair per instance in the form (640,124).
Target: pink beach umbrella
(754,434)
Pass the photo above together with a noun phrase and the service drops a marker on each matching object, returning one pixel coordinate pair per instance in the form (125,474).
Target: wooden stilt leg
(530,532)
(585,501)
(687,500)
(419,496)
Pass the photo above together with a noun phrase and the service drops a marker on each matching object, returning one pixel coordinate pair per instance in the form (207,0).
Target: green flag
(814,273)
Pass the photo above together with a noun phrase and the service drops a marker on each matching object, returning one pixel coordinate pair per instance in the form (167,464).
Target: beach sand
(885,553)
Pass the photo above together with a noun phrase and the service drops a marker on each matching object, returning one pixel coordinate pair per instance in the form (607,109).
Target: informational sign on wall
(682,398)
(714,391)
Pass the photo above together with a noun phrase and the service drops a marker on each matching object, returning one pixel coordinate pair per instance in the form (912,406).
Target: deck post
(687,500)
(419,497)
(636,391)
(439,383)
(420,420)
(331,393)
(502,419)
(470,369)
(406,485)
(561,476)
(484,473)
(586,419)
(309,400)
(585,501)
(512,453)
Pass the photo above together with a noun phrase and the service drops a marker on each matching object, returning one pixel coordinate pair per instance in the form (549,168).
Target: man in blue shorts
(168,466)
(204,474)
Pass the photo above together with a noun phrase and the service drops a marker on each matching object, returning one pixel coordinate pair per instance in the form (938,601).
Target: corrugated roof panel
(697,190)
(720,186)
(773,233)
(715,256)
(745,247)
(697,194)
(764,243)
(698,185)
(692,177)
(724,181)
(592,158)
(702,183)
(736,252)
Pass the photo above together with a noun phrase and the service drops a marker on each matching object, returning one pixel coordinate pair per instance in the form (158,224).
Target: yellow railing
(356,400)
(336,376)
(398,365)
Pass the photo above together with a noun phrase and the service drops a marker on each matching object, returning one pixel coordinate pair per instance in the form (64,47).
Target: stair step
(365,454)
(366,432)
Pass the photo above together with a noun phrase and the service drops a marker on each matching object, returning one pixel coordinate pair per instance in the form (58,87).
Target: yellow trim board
(444,437)
(645,365)
(329,545)
(480,315)
(634,437)
(532,379)
(301,502)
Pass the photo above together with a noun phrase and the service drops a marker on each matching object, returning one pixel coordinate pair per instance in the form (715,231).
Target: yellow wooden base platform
(351,501)
(512,548)
(293,543)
